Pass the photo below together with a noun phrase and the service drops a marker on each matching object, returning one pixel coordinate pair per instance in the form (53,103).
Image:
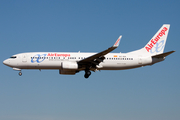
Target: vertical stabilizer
(157,43)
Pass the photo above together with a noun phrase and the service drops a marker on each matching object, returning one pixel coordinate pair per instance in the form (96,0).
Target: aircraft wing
(99,57)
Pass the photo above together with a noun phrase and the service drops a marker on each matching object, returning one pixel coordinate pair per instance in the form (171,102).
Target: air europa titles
(58,55)
(156,39)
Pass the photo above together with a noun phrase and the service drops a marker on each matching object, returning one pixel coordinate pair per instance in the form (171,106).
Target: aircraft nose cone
(6,62)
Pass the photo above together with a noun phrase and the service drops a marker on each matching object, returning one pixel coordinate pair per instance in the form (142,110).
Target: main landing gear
(87,73)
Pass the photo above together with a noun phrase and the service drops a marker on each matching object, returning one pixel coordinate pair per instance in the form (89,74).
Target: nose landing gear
(87,73)
(20,73)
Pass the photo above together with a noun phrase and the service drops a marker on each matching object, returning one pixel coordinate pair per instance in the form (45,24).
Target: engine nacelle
(67,72)
(69,65)
(68,68)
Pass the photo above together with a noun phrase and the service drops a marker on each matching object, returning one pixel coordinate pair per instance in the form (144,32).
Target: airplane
(70,63)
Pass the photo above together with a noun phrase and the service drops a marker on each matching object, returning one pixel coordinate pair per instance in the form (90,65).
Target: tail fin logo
(158,47)
(155,40)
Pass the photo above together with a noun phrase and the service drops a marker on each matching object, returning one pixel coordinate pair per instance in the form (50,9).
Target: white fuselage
(54,60)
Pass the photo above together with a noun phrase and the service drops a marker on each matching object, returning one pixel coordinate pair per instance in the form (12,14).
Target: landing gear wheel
(20,73)
(87,74)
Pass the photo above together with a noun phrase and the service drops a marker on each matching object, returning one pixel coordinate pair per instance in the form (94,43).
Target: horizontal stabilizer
(163,55)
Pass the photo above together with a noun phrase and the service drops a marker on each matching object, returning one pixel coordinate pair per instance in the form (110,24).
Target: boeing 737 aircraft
(70,63)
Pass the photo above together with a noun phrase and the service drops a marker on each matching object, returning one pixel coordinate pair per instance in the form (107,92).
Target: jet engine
(68,68)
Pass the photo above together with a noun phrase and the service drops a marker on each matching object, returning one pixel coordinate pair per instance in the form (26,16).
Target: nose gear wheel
(20,73)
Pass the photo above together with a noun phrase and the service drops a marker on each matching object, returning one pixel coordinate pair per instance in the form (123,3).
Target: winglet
(116,44)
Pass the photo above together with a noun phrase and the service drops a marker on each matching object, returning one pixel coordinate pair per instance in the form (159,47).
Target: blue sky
(150,92)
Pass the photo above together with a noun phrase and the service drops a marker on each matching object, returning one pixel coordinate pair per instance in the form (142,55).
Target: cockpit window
(13,57)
